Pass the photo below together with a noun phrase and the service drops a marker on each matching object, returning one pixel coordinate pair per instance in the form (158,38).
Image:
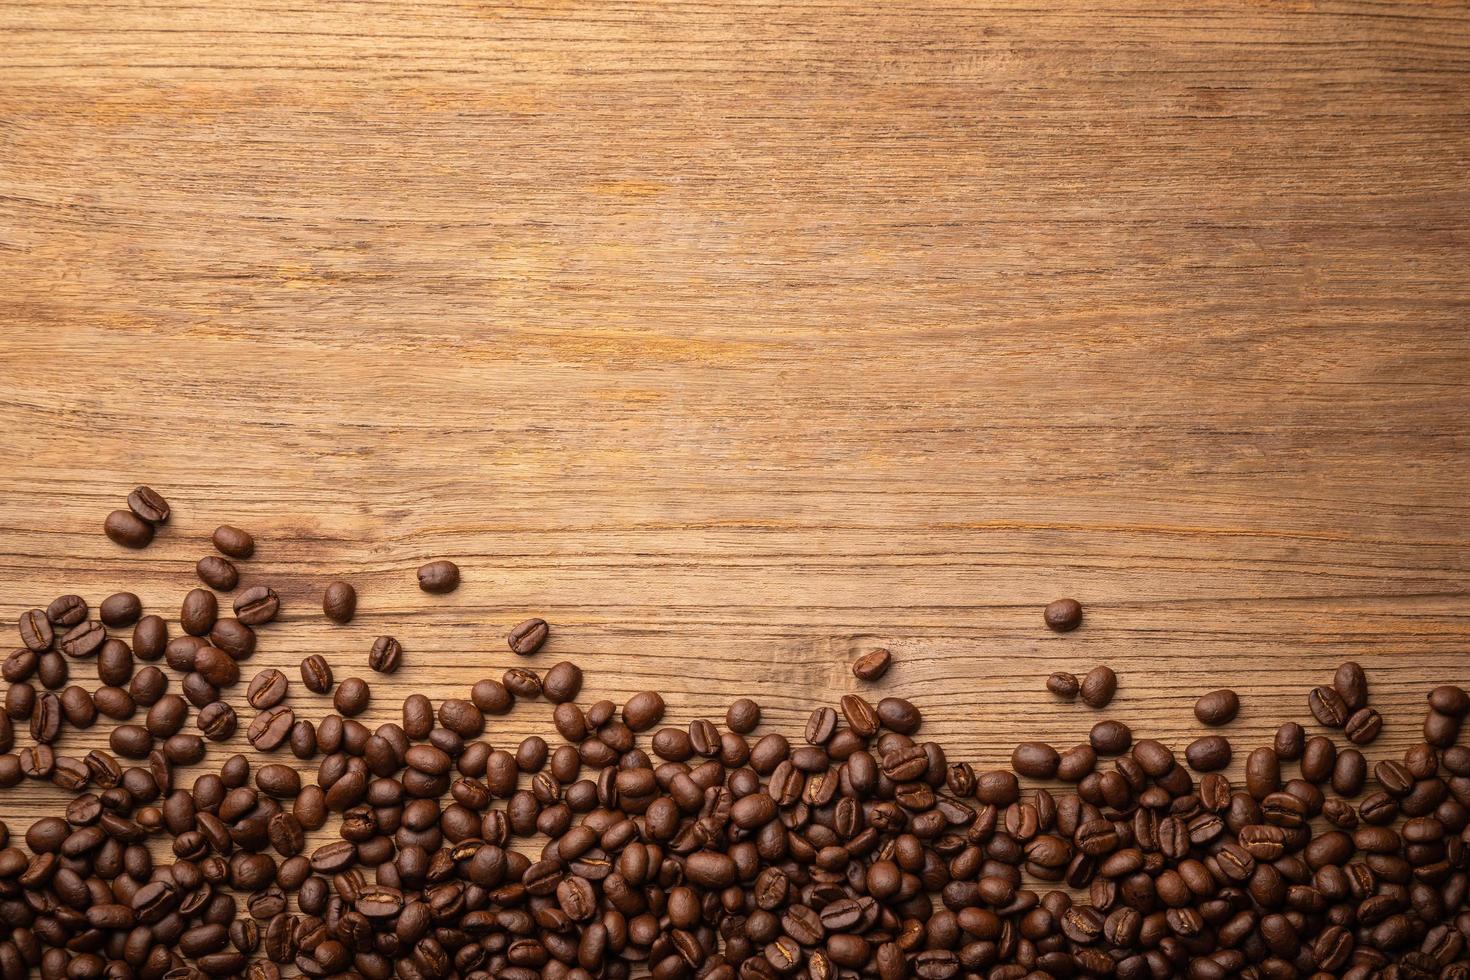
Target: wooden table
(736,339)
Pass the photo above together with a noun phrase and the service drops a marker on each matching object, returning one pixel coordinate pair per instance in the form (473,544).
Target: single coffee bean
(67,610)
(1363,726)
(1349,773)
(1351,684)
(1209,754)
(1035,760)
(1063,685)
(352,697)
(1290,741)
(128,529)
(1440,730)
(1318,758)
(84,640)
(271,728)
(198,612)
(114,662)
(1098,687)
(1110,737)
(216,666)
(1449,699)
(217,721)
(316,674)
(217,573)
(19,666)
(267,689)
(562,683)
(642,711)
(527,637)
(150,636)
(233,542)
(1262,773)
(35,630)
(386,655)
(120,609)
(872,665)
(742,716)
(52,670)
(1063,615)
(339,601)
(233,637)
(46,718)
(1217,708)
(439,576)
(148,504)
(257,605)
(897,715)
(1327,706)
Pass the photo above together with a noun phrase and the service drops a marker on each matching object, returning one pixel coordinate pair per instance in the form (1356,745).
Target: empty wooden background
(738,338)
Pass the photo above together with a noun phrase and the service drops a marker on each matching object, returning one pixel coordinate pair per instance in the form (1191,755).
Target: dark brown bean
(128,529)
(386,655)
(233,542)
(1063,615)
(316,674)
(217,573)
(352,697)
(198,612)
(1351,685)
(562,683)
(439,577)
(257,605)
(1099,686)
(527,637)
(1217,708)
(120,609)
(872,665)
(339,601)
(148,504)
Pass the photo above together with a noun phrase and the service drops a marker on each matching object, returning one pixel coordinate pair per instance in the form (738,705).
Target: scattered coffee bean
(562,683)
(83,640)
(872,665)
(1098,687)
(120,609)
(1063,615)
(1208,754)
(267,689)
(1063,685)
(526,638)
(1327,707)
(35,630)
(743,716)
(198,612)
(1351,685)
(217,573)
(439,576)
(233,542)
(339,601)
(150,637)
(1217,708)
(257,605)
(386,655)
(67,611)
(128,529)
(148,504)
(316,674)
(1363,726)
(351,697)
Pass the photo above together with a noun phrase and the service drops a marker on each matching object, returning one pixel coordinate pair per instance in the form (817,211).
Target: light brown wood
(736,339)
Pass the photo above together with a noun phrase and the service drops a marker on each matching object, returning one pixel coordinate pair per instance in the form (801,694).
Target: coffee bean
(67,610)
(150,636)
(217,573)
(562,683)
(1327,707)
(1217,708)
(128,529)
(1110,737)
(267,689)
(83,640)
(1035,760)
(1449,699)
(316,674)
(386,655)
(352,697)
(233,637)
(52,670)
(270,728)
(642,711)
(1363,726)
(1063,685)
(526,638)
(148,504)
(1098,687)
(1351,685)
(1063,615)
(217,721)
(233,542)
(114,662)
(439,576)
(1290,740)
(198,612)
(35,630)
(339,601)
(120,609)
(872,665)
(257,605)
(1208,754)
(742,716)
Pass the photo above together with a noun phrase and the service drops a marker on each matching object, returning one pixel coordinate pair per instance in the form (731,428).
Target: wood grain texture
(737,338)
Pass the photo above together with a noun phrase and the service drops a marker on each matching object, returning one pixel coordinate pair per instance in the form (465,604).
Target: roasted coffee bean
(217,721)
(526,638)
(562,683)
(198,612)
(1351,685)
(439,576)
(386,655)
(233,542)
(83,640)
(1063,615)
(339,601)
(233,637)
(150,637)
(316,674)
(1327,707)
(1290,741)
(1110,737)
(148,504)
(67,611)
(267,689)
(1349,773)
(1063,685)
(52,670)
(1209,754)
(128,529)
(351,697)
(642,711)
(271,728)
(217,573)
(872,665)
(1035,760)
(114,663)
(257,605)
(1217,708)
(743,716)
(1363,726)
(1262,773)
(120,609)
(1098,687)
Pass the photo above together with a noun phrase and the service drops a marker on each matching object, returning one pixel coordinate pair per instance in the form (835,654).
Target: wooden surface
(736,339)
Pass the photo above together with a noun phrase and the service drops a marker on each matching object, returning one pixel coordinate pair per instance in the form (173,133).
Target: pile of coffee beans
(616,846)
